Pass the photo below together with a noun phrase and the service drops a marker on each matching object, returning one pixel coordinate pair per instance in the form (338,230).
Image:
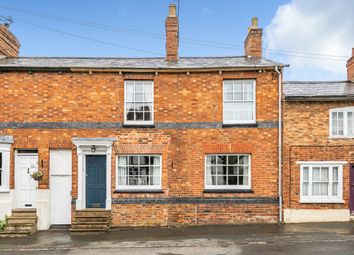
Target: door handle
(28,170)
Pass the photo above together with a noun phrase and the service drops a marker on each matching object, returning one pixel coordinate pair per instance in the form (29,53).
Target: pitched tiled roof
(135,63)
(319,91)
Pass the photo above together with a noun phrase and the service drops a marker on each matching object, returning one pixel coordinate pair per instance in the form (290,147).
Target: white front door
(60,187)
(25,186)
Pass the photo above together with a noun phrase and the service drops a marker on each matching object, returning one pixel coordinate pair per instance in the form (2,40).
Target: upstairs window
(138,103)
(239,101)
(342,122)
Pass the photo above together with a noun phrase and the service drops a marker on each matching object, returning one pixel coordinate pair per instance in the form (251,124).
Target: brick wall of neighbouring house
(37,103)
(306,138)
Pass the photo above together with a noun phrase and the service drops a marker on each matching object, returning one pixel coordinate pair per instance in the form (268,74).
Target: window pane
(305,174)
(324,189)
(129,93)
(315,189)
(335,174)
(232,170)
(248,111)
(305,189)
(243,160)
(232,160)
(350,125)
(221,180)
(315,174)
(335,189)
(211,160)
(334,124)
(232,180)
(324,174)
(148,93)
(248,91)
(243,180)
(238,93)
(340,123)
(221,160)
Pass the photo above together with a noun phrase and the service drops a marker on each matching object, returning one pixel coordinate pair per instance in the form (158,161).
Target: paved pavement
(299,239)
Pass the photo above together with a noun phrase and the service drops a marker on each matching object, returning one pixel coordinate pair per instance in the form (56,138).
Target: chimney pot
(254,22)
(172,10)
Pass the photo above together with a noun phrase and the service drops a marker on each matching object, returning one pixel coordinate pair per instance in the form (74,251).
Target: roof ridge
(314,82)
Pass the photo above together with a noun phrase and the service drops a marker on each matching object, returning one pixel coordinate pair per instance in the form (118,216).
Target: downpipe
(280,147)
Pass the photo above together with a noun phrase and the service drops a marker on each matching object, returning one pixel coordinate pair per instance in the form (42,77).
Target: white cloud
(315,26)
(206,9)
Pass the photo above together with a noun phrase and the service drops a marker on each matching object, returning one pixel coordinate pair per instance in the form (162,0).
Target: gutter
(280,147)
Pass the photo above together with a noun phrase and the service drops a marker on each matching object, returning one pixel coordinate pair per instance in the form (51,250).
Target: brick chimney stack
(9,45)
(253,42)
(172,35)
(350,67)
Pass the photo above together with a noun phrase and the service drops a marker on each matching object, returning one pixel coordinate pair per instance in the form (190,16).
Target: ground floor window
(321,183)
(139,172)
(230,171)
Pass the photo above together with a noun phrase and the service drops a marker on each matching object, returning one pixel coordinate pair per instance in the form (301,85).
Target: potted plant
(37,175)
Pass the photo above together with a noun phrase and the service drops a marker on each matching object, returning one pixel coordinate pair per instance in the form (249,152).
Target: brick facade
(307,138)
(45,110)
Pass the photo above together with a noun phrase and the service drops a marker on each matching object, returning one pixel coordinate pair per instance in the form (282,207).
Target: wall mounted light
(93,148)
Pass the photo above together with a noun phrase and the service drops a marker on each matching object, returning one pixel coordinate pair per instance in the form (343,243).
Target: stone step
(88,230)
(24,210)
(20,220)
(93,213)
(92,219)
(89,226)
(15,233)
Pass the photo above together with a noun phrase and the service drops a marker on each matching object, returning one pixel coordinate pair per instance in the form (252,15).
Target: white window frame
(345,111)
(138,187)
(253,121)
(5,151)
(322,199)
(133,122)
(229,187)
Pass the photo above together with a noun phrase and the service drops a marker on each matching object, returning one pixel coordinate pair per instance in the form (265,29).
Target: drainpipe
(280,166)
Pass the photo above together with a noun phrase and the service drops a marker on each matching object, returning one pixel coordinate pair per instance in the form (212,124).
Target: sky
(314,37)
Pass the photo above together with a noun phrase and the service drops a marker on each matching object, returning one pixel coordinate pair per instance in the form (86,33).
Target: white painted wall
(6,199)
(43,209)
(309,215)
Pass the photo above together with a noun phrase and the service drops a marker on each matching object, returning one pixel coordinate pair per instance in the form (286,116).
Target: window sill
(322,202)
(230,125)
(138,126)
(228,191)
(140,191)
(4,191)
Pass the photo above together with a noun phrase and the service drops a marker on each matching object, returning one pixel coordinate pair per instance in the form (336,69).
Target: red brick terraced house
(318,151)
(148,141)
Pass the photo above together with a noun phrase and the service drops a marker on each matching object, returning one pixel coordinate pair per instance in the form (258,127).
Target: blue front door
(95,181)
